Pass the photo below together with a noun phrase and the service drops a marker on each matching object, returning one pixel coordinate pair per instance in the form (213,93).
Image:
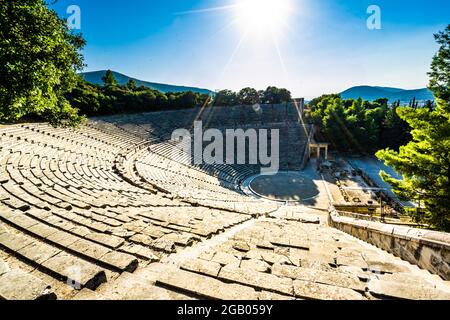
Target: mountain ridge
(95,77)
(374,92)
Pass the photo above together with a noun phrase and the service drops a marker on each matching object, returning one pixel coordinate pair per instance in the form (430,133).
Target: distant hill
(95,77)
(393,94)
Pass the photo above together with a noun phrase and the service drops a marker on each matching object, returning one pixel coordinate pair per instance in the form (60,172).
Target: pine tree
(109,80)
(131,85)
(440,68)
(425,161)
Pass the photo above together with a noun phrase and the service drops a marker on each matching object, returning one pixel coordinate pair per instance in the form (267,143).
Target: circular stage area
(284,186)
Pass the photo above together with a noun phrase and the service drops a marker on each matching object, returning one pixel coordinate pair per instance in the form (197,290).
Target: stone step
(206,287)
(257,280)
(71,243)
(330,277)
(18,285)
(318,291)
(60,264)
(394,289)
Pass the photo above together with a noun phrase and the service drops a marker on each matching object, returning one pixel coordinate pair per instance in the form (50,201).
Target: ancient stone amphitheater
(106,211)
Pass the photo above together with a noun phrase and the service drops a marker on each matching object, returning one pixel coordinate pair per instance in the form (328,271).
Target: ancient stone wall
(429,250)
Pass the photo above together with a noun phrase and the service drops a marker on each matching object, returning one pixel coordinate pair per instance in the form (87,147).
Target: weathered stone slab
(63,238)
(363,276)
(203,267)
(87,295)
(153,231)
(75,270)
(42,230)
(255,265)
(267,295)
(318,291)
(140,286)
(19,285)
(121,261)
(241,246)
(264,244)
(350,261)
(403,290)
(204,286)
(385,267)
(89,249)
(165,245)
(258,280)
(225,258)
(306,258)
(333,278)
(13,241)
(38,252)
(4,268)
(105,239)
(140,252)
(272,258)
(141,239)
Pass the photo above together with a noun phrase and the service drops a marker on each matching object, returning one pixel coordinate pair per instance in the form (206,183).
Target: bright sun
(263,16)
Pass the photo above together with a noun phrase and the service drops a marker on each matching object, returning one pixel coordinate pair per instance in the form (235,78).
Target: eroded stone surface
(18,285)
(318,291)
(413,290)
(205,286)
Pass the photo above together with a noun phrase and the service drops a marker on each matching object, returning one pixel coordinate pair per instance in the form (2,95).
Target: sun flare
(263,16)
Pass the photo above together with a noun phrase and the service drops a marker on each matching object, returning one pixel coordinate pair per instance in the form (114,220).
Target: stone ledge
(429,250)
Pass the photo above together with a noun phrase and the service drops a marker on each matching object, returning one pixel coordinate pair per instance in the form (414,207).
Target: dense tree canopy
(425,161)
(39,58)
(226,98)
(274,95)
(357,125)
(113,98)
(250,96)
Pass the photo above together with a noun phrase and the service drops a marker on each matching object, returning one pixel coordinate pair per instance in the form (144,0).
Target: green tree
(395,131)
(248,96)
(226,98)
(39,58)
(131,85)
(440,67)
(425,161)
(274,95)
(335,124)
(109,80)
(87,98)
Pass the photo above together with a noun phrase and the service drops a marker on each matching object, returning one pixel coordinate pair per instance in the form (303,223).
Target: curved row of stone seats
(212,117)
(62,182)
(230,174)
(158,126)
(165,149)
(293,140)
(41,248)
(161,124)
(158,163)
(191,185)
(63,199)
(168,154)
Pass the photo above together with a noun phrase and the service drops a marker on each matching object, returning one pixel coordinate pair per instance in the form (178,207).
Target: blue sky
(311,47)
